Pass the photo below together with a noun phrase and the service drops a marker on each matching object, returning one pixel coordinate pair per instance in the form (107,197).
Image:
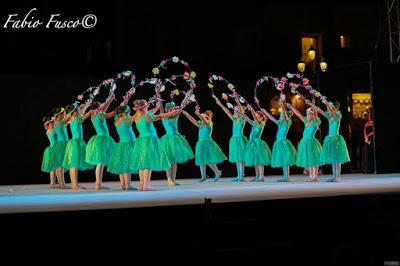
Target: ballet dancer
(48,154)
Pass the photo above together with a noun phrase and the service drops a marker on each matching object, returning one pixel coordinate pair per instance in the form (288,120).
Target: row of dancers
(148,152)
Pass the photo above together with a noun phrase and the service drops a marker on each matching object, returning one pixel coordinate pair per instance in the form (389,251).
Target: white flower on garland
(175,59)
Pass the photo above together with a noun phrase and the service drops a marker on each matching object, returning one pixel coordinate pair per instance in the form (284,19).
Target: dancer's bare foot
(172,183)
(77,187)
(63,186)
(100,187)
(148,189)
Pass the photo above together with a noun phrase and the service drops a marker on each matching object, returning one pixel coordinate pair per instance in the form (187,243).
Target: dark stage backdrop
(387,121)
(44,68)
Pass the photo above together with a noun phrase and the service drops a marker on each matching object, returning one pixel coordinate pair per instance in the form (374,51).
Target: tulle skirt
(283,153)
(99,150)
(59,149)
(75,155)
(47,161)
(148,153)
(237,148)
(257,153)
(177,148)
(309,152)
(334,150)
(208,152)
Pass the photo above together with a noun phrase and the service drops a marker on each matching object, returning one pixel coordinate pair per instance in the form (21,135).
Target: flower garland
(305,83)
(278,83)
(232,90)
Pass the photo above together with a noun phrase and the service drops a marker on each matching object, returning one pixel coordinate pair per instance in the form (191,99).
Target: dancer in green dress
(148,154)
(334,148)
(48,154)
(74,158)
(283,151)
(238,142)
(122,153)
(207,150)
(309,149)
(101,145)
(175,145)
(60,127)
(257,154)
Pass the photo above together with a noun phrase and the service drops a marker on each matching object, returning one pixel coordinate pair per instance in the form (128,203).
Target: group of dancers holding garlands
(147,153)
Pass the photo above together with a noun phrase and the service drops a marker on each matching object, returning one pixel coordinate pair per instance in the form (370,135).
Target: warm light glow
(344,41)
(298,97)
(323,65)
(361,102)
(311,53)
(301,67)
(306,43)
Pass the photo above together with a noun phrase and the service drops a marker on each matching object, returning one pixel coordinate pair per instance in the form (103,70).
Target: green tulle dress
(238,142)
(309,150)
(175,145)
(283,151)
(76,147)
(207,150)
(48,154)
(101,145)
(334,148)
(61,144)
(148,152)
(257,150)
(122,153)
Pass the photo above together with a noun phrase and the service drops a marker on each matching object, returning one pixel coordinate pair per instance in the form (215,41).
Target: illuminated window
(344,41)
(361,102)
(306,43)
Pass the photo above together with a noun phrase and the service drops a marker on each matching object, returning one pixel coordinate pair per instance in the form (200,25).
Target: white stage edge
(39,198)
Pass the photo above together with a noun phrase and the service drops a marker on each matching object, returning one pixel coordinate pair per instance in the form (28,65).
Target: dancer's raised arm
(330,109)
(190,118)
(253,113)
(169,114)
(104,107)
(223,107)
(202,118)
(269,115)
(245,117)
(316,108)
(295,111)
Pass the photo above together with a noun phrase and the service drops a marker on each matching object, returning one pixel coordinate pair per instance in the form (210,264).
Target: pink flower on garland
(141,83)
(283,97)
(163,62)
(275,80)
(133,77)
(306,81)
(173,77)
(308,87)
(192,85)
(298,76)
(119,76)
(280,86)
(257,83)
(283,79)
(265,78)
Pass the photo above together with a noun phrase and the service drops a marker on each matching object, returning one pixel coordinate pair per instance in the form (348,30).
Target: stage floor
(39,198)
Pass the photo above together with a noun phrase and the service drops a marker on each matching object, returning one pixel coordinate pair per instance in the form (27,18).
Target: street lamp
(311,53)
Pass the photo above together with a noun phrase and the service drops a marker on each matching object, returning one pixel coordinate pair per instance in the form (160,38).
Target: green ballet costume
(175,145)
(238,142)
(257,150)
(309,149)
(283,151)
(334,148)
(207,150)
(61,144)
(76,148)
(101,145)
(148,152)
(48,154)
(122,153)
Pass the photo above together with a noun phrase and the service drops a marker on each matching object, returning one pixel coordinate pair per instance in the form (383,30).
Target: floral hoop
(232,93)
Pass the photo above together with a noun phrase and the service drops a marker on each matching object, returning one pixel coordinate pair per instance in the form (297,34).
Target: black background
(45,68)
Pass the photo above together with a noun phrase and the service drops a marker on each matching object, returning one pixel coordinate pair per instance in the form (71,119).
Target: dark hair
(336,104)
(56,110)
(120,109)
(45,119)
(94,105)
(69,108)
(138,103)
